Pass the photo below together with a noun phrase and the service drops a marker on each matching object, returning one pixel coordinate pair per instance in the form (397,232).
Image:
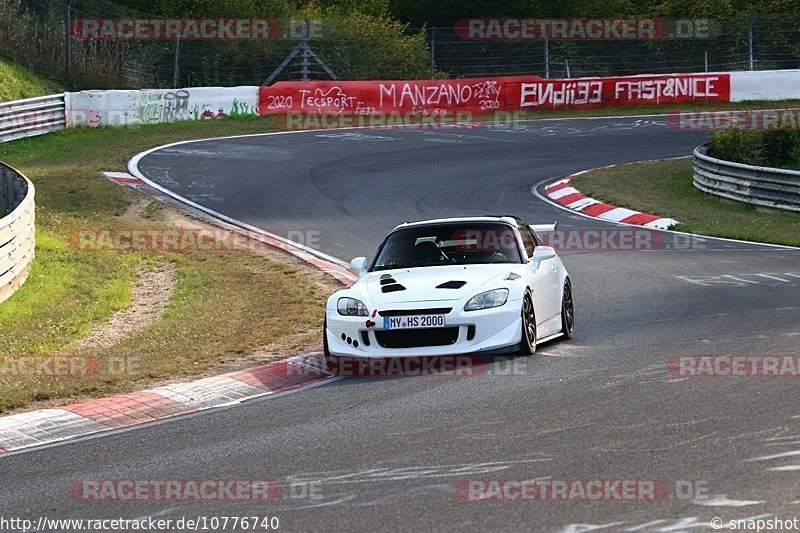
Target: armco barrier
(764,186)
(16,229)
(32,116)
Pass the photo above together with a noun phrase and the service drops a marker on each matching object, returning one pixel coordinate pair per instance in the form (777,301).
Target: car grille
(416,338)
(409,312)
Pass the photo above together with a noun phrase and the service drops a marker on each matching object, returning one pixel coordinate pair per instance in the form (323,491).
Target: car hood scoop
(439,283)
(451,285)
(389,284)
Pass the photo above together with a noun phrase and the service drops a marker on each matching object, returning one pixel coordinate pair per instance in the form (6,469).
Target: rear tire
(567,312)
(528,325)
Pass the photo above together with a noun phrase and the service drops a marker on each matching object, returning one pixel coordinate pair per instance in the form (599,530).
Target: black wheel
(528,325)
(567,312)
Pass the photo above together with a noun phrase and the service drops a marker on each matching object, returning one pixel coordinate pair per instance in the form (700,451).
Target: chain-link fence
(761,42)
(36,34)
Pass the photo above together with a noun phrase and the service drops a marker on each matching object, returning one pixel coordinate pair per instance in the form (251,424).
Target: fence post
(433,52)
(68,44)
(750,39)
(566,63)
(176,62)
(705,59)
(304,51)
(546,58)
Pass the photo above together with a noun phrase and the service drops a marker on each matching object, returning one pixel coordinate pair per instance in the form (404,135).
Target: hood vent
(394,287)
(388,284)
(452,285)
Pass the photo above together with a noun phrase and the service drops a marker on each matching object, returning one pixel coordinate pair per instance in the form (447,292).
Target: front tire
(567,312)
(528,325)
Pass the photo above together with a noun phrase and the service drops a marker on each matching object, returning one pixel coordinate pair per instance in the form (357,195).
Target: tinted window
(448,244)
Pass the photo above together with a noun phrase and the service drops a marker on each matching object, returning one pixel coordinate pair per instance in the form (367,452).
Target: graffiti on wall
(636,90)
(155,106)
(487,95)
(434,97)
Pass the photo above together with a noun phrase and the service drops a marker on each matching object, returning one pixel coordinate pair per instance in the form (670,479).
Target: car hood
(423,284)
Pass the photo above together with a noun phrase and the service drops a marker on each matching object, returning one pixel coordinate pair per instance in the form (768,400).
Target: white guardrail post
(17,232)
(769,187)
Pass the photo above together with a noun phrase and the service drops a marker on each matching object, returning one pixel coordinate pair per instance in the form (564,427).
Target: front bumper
(473,332)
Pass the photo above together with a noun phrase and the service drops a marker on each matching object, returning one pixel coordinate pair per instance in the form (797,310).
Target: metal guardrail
(764,186)
(17,230)
(32,116)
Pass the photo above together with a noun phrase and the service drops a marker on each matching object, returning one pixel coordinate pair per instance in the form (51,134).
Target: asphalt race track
(388,453)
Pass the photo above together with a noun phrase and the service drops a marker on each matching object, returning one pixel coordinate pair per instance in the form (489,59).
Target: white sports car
(473,285)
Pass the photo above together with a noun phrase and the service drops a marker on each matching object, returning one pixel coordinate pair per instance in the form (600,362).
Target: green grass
(17,82)
(66,291)
(70,290)
(665,188)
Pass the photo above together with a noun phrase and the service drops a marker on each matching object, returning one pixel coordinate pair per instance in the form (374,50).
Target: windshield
(448,244)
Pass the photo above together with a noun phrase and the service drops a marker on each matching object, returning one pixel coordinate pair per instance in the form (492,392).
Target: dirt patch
(150,295)
(136,209)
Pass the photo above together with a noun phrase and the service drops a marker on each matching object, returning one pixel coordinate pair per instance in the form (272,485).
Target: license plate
(413,321)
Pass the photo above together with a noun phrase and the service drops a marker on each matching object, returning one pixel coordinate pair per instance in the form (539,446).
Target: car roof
(505,219)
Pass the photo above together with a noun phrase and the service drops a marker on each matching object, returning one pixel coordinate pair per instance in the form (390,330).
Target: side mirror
(359,265)
(542,253)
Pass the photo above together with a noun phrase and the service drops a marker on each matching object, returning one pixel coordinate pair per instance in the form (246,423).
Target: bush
(772,148)
(780,148)
(740,146)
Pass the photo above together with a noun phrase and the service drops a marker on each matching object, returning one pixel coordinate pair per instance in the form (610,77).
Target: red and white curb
(124,178)
(48,426)
(563,193)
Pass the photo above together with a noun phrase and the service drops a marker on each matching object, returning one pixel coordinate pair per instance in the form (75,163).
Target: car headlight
(487,299)
(351,307)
